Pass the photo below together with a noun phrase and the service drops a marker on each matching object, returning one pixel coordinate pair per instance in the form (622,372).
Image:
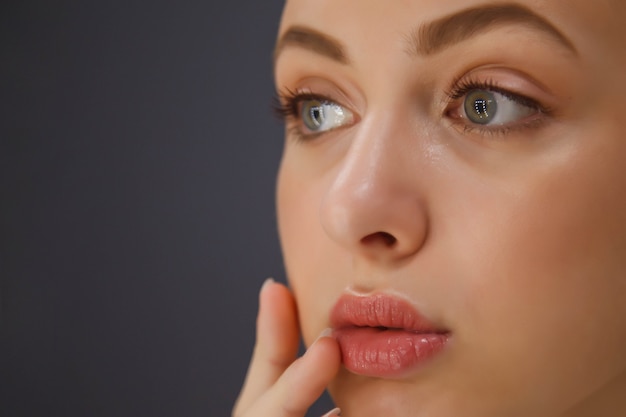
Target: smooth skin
(514,239)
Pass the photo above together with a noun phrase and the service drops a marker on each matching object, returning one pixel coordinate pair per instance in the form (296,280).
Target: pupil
(480,107)
(316,116)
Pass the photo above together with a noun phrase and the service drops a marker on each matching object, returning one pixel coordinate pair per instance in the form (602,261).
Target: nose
(375,205)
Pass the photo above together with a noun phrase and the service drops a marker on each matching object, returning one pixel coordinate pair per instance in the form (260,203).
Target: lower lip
(386,353)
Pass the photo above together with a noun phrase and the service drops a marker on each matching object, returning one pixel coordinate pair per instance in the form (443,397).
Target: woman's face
(469,158)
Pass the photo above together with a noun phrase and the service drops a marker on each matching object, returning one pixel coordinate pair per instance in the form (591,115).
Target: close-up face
(451,201)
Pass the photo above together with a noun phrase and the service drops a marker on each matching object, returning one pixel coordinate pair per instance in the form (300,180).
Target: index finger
(276,344)
(302,383)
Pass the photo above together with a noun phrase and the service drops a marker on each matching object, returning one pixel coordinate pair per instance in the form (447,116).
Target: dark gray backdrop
(137,162)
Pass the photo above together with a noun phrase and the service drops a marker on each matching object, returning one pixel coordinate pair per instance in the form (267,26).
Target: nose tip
(382,224)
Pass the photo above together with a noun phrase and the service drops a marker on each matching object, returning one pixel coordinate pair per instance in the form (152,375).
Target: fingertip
(334,412)
(273,292)
(327,332)
(267,283)
(277,324)
(326,353)
(306,380)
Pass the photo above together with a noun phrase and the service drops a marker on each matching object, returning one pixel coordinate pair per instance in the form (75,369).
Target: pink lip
(384,336)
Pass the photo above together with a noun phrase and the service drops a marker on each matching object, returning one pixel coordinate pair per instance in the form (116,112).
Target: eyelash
(461,87)
(286,108)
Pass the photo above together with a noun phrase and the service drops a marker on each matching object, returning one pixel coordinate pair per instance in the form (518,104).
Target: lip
(384,336)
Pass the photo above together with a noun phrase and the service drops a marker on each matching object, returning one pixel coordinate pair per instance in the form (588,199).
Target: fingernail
(328,332)
(267,283)
(335,412)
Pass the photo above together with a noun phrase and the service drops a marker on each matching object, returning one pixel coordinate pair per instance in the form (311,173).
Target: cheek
(315,266)
(542,297)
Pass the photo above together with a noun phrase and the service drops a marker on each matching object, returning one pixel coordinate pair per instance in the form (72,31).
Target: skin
(514,241)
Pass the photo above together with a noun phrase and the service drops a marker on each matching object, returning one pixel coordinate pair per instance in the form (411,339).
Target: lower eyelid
(536,122)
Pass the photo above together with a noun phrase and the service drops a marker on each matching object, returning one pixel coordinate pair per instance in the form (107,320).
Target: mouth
(384,336)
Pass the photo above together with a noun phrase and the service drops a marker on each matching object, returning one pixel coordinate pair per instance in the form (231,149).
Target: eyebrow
(312,40)
(433,37)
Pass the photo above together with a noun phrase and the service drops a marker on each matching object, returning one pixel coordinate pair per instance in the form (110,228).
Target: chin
(359,396)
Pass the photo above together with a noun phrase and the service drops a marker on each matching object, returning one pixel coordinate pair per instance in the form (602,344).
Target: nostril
(384,238)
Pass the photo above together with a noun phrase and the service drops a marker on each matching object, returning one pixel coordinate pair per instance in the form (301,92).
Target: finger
(276,344)
(333,413)
(303,382)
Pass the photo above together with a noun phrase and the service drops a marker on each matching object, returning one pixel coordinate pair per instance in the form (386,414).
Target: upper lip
(380,311)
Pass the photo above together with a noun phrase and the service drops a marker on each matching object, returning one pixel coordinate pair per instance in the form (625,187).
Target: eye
(485,107)
(321,115)
(308,114)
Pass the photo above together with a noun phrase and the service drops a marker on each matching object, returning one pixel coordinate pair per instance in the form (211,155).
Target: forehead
(596,12)
(593,26)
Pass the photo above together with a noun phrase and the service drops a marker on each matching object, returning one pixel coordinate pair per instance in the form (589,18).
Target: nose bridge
(374,204)
(372,161)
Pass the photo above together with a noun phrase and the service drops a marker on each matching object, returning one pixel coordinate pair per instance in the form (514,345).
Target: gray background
(138,155)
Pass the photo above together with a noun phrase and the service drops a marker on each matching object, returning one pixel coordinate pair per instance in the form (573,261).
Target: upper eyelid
(337,90)
(308,95)
(464,84)
(516,97)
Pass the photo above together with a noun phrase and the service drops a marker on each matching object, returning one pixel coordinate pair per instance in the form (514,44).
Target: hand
(278,384)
